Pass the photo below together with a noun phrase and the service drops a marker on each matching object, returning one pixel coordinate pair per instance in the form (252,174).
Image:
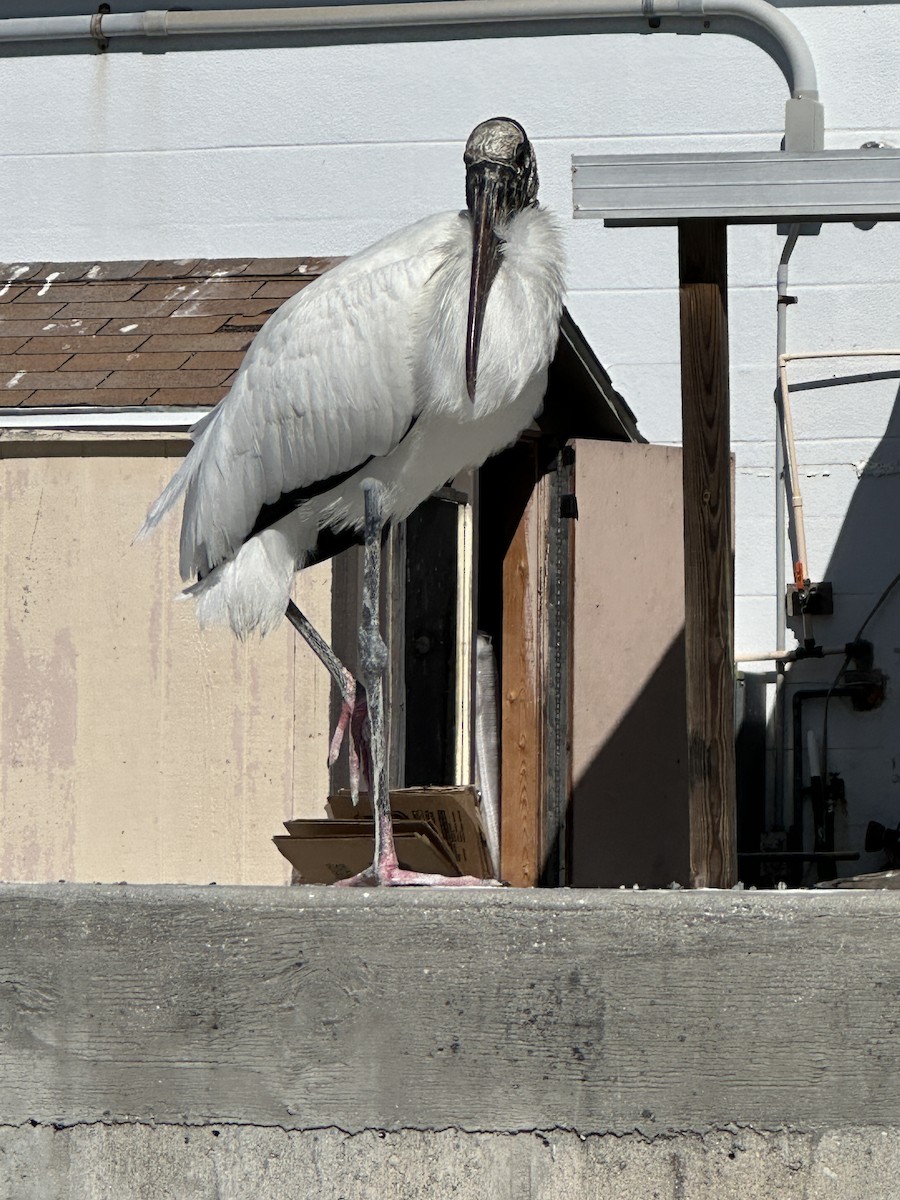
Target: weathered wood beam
(708,551)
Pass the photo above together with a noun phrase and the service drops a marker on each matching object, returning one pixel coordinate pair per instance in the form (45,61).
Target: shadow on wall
(628,816)
(863,747)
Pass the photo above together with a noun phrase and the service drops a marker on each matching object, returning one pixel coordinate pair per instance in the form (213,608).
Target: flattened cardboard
(453,812)
(325,851)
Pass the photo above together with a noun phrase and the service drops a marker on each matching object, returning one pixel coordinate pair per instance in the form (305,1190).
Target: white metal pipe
(802,566)
(786,358)
(779,718)
(782,655)
(45,29)
(519,15)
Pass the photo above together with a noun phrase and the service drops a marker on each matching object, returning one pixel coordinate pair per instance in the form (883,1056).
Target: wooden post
(708,554)
(521,767)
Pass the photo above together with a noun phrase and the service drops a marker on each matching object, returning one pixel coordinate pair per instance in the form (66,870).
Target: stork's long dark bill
(485,261)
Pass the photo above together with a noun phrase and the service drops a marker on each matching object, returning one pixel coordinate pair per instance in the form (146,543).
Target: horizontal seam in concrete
(542,1133)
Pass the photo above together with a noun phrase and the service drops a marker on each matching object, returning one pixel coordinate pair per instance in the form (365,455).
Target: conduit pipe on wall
(757,20)
(801,566)
(779,718)
(786,444)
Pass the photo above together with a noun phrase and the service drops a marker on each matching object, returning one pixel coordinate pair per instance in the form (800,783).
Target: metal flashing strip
(747,187)
(162,419)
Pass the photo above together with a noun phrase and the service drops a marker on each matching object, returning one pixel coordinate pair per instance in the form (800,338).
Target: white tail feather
(180,481)
(169,496)
(249,592)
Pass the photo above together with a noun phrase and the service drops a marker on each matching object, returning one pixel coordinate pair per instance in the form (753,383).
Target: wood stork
(362,395)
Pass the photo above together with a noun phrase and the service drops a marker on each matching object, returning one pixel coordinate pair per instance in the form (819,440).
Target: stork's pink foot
(387,875)
(355,717)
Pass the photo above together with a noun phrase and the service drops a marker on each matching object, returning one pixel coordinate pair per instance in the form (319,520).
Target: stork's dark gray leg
(373,658)
(353,696)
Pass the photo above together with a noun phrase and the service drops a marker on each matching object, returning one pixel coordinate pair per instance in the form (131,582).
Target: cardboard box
(325,851)
(452,812)
(436,831)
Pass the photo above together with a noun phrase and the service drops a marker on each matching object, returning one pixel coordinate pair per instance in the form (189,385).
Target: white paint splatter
(52,325)
(127,328)
(866,469)
(46,288)
(11,383)
(756,472)
(23,270)
(5,289)
(94,271)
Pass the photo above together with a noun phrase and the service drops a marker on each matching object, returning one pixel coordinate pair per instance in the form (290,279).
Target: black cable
(843,667)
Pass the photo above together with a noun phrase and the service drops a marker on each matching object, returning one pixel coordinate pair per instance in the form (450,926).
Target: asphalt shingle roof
(121,334)
(170,333)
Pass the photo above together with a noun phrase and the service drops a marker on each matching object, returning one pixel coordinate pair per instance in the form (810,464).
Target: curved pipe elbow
(798,65)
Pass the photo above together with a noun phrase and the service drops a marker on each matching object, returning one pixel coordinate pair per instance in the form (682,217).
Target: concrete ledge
(142,1162)
(305,1009)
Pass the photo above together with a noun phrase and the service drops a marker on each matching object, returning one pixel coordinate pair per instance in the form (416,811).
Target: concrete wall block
(836,252)
(302,1008)
(754,500)
(844,399)
(754,624)
(636,327)
(648,387)
(758,456)
(859,733)
(232,1162)
(753,404)
(360,93)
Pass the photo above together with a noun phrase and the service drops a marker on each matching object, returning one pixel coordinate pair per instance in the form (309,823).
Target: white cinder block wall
(319,151)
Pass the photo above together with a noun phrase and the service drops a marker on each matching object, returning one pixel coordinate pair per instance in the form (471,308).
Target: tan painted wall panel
(133,746)
(629,740)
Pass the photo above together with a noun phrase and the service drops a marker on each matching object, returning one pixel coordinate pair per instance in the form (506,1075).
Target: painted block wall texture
(319,151)
(129,740)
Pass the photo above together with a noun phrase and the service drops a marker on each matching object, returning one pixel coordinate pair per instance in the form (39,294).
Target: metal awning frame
(740,188)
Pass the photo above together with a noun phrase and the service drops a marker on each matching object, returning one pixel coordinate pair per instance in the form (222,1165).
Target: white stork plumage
(407,363)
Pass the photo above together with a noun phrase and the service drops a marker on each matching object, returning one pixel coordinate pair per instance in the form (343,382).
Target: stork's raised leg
(354,711)
(373,657)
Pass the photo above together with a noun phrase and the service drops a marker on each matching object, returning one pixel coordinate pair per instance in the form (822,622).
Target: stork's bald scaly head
(499,149)
(501,181)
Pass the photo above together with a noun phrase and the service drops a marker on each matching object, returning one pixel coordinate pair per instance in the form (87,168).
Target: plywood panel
(630,816)
(135,747)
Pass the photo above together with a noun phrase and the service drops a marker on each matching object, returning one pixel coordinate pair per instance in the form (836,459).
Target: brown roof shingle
(173,334)
(119,334)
